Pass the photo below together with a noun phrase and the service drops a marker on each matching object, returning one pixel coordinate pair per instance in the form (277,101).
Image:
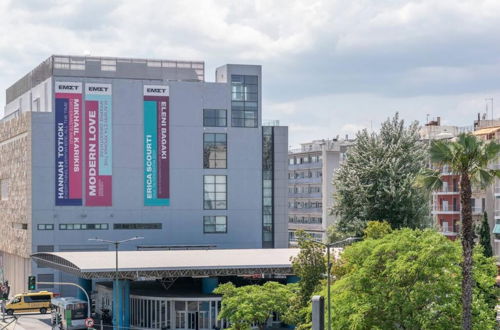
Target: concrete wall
(331,162)
(15,211)
(280,187)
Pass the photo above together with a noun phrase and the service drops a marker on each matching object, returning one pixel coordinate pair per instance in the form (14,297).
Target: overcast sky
(330,67)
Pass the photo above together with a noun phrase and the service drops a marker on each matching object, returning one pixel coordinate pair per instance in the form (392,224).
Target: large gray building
(115,147)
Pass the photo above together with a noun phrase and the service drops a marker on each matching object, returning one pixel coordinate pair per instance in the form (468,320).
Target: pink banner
(163,148)
(98,187)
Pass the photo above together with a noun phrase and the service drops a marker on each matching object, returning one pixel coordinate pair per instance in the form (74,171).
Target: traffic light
(31,282)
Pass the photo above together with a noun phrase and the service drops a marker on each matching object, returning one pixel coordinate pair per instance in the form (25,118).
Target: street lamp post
(328,281)
(116,244)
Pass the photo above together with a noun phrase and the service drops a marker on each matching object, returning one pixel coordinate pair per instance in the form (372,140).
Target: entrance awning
(138,265)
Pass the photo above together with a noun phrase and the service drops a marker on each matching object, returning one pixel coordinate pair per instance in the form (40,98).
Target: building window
(17,225)
(45,226)
(214,117)
(4,189)
(130,226)
(267,187)
(244,101)
(215,150)
(214,192)
(83,226)
(215,224)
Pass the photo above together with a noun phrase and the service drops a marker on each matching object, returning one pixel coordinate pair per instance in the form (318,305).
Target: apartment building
(310,186)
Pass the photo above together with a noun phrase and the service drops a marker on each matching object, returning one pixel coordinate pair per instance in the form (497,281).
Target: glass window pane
(220,179)
(209,178)
(251,80)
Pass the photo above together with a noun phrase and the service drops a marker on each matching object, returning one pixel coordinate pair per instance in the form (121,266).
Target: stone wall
(15,166)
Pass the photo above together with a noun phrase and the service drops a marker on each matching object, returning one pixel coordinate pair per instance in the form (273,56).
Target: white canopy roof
(171,263)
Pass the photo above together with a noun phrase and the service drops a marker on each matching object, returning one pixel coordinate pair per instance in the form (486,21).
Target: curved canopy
(170,263)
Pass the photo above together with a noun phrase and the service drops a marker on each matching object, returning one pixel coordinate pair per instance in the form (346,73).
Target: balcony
(477,211)
(305,166)
(497,191)
(497,214)
(317,210)
(313,180)
(313,195)
(446,191)
(449,233)
(445,209)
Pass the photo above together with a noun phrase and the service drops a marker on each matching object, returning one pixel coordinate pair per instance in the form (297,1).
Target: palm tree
(468,157)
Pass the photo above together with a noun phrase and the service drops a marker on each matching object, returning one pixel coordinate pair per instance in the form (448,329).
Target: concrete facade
(181,223)
(15,200)
(310,186)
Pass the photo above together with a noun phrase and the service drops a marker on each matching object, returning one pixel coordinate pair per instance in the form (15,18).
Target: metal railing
(442,208)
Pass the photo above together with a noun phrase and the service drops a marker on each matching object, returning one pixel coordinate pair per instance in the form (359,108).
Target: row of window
(304,189)
(304,174)
(211,224)
(305,159)
(306,220)
(244,105)
(305,205)
(315,236)
(99,226)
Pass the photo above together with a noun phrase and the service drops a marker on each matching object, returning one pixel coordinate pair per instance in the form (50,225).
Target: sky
(330,67)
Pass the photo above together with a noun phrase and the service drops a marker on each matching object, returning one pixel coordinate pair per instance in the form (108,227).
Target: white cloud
(330,66)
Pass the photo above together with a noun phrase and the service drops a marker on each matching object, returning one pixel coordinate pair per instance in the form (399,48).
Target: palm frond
(440,152)
(429,179)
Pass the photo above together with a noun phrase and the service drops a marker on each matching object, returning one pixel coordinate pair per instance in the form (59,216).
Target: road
(28,321)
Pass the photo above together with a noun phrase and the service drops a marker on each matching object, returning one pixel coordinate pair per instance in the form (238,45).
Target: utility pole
(117,322)
(328,246)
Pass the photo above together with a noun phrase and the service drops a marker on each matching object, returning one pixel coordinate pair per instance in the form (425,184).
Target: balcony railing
(497,190)
(443,208)
(477,210)
(497,213)
(447,190)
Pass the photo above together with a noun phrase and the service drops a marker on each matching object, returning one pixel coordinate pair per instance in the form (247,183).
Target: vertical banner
(156,146)
(98,138)
(68,114)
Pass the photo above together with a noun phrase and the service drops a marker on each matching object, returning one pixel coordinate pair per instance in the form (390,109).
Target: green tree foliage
(377,229)
(310,266)
(469,158)
(252,304)
(484,236)
(376,182)
(409,279)
(334,234)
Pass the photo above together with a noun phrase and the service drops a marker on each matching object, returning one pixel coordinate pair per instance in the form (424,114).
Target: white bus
(69,313)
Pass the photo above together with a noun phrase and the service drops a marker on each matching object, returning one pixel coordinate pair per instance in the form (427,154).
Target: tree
(334,234)
(484,236)
(377,229)
(310,266)
(467,157)
(252,304)
(408,279)
(376,182)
